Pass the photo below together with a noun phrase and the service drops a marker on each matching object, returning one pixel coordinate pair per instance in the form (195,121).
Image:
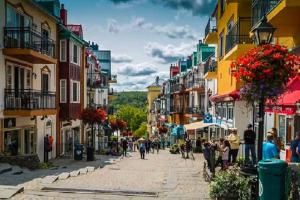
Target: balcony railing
(196,110)
(176,109)
(176,88)
(94,105)
(28,99)
(210,66)
(211,26)
(260,8)
(26,38)
(239,34)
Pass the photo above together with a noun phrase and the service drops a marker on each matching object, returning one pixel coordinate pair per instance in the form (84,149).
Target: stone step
(63,176)
(75,173)
(7,192)
(49,179)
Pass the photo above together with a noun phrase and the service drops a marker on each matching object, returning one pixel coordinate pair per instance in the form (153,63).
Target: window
(230,113)
(63,91)
(9,77)
(221,40)
(28,79)
(75,92)
(75,53)
(222,7)
(63,50)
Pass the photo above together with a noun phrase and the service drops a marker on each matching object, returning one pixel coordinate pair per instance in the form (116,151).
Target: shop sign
(281,109)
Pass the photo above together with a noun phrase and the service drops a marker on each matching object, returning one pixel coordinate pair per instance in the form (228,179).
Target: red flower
(277,56)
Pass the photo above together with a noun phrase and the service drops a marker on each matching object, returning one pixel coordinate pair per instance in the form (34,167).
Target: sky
(144,36)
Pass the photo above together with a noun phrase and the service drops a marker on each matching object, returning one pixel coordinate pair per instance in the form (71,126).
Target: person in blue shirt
(295,144)
(269,148)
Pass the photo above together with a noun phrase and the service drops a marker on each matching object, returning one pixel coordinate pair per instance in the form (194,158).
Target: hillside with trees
(135,99)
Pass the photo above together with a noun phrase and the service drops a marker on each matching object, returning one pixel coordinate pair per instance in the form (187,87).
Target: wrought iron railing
(260,8)
(176,88)
(211,26)
(210,66)
(26,38)
(239,33)
(28,99)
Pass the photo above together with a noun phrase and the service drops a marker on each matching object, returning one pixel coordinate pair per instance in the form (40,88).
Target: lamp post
(263,34)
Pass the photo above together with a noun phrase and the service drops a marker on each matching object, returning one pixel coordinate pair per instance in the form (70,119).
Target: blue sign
(208,118)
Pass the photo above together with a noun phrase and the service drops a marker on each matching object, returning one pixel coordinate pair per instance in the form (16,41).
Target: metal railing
(28,99)
(211,26)
(26,38)
(176,88)
(210,66)
(239,33)
(196,110)
(176,109)
(260,8)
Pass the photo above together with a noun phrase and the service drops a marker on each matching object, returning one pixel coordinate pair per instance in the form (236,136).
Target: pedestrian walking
(249,137)
(148,146)
(142,150)
(269,148)
(157,145)
(234,141)
(206,154)
(124,146)
(295,144)
(46,148)
(188,147)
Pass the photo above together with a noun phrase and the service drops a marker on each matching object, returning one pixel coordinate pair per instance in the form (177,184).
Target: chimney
(64,15)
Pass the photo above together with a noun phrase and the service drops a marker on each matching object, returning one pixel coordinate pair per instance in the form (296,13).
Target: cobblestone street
(159,176)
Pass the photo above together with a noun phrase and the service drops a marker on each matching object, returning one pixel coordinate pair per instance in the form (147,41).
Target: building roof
(76,28)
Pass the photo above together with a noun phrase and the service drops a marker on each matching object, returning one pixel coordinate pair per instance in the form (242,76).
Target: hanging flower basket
(264,72)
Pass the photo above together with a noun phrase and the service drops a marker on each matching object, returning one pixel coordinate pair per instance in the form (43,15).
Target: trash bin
(90,154)
(78,151)
(272,179)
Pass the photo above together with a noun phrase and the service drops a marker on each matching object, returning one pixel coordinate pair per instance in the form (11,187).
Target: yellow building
(229,28)
(153,93)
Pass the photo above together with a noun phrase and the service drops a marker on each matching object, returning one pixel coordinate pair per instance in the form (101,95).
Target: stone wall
(29,161)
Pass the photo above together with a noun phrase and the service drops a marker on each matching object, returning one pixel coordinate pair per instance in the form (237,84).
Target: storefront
(18,139)
(70,136)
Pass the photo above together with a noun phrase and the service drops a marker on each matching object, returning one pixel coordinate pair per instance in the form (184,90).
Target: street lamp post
(263,34)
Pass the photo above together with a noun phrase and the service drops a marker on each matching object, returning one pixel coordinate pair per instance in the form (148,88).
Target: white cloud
(121,59)
(169,53)
(142,69)
(113,26)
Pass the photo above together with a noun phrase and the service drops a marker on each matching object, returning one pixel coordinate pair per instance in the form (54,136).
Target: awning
(286,103)
(231,96)
(197,125)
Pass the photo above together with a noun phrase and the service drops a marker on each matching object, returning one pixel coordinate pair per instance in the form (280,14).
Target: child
(225,154)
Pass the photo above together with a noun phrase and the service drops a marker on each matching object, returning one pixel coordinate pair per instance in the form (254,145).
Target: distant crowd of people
(144,146)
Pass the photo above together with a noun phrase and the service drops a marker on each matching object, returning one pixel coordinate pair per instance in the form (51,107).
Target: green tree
(141,131)
(134,116)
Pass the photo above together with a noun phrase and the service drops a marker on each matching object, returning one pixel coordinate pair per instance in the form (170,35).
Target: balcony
(113,79)
(28,45)
(176,109)
(94,105)
(94,83)
(210,69)
(280,13)
(28,102)
(176,88)
(211,33)
(238,40)
(196,110)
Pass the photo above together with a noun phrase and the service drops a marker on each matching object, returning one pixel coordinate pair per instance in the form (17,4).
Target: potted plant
(229,185)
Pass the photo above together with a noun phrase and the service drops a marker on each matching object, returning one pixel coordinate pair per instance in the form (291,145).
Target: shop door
(68,143)
(29,141)
(12,144)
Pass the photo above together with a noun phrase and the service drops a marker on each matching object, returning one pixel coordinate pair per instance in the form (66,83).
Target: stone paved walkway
(160,176)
